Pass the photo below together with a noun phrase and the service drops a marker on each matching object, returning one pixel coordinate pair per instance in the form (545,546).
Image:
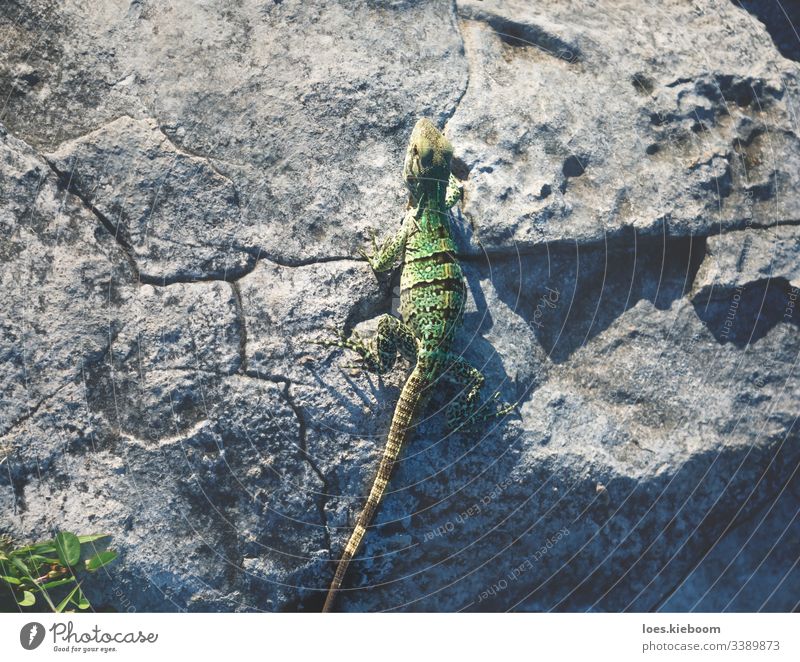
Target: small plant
(52,565)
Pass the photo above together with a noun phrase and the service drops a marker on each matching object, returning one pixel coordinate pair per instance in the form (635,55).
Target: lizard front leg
(455,192)
(385,257)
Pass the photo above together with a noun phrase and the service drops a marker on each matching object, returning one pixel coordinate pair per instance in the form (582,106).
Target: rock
(747,567)
(659,140)
(748,283)
(167,208)
(184,190)
(739,258)
(63,283)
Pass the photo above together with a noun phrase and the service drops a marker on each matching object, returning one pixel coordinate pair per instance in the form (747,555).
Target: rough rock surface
(183,187)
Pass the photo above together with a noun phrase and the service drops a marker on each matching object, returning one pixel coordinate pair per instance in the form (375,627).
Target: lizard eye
(414,161)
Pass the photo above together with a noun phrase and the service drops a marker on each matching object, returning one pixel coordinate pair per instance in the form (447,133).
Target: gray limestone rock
(183,190)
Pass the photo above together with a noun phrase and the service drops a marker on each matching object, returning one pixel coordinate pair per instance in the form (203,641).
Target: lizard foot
(470,421)
(325,342)
(501,408)
(375,249)
(355,343)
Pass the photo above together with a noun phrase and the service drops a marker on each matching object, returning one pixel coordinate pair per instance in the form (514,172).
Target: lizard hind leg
(466,410)
(378,355)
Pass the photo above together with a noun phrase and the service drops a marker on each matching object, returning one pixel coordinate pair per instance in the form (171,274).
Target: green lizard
(432,296)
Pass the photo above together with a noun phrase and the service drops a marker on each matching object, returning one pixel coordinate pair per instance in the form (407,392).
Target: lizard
(432,297)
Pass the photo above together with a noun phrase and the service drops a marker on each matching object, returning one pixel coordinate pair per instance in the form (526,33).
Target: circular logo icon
(31,635)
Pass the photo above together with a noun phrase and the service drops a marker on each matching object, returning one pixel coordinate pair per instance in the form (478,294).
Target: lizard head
(427,166)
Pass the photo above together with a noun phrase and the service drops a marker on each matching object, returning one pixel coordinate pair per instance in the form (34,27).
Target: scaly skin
(432,295)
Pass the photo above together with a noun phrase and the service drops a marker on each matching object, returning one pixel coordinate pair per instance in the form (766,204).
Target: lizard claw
(375,248)
(505,408)
(374,239)
(340,341)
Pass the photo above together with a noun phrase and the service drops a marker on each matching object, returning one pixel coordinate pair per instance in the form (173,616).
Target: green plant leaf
(47,547)
(22,567)
(65,601)
(82,603)
(58,582)
(92,538)
(68,547)
(28,599)
(100,559)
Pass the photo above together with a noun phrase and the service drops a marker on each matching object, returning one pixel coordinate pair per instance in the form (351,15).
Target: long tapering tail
(399,431)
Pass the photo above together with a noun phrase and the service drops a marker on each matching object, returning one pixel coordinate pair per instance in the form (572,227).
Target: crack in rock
(303,445)
(242,323)
(32,410)
(65,181)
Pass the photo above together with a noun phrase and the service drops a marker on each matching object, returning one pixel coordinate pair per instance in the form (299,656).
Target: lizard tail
(404,414)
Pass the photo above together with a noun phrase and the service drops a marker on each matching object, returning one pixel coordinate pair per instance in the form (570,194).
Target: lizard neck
(430,197)
(432,218)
